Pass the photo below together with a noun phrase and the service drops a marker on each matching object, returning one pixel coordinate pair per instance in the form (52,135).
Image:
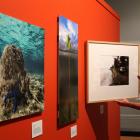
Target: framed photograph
(112,70)
(67,71)
(21,68)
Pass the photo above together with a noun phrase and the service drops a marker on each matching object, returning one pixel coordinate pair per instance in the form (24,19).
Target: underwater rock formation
(12,63)
(19,91)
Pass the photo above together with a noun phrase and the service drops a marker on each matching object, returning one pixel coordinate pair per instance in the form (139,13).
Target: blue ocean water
(29,38)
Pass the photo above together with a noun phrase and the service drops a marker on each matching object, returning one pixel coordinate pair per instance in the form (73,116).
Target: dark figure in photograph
(120,71)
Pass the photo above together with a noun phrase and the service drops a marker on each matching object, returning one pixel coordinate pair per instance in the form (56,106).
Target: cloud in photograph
(68,28)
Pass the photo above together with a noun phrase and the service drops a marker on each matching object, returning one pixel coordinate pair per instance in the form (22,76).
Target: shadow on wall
(98,120)
(15,120)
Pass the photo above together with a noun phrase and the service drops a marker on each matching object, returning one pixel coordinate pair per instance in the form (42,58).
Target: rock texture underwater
(21,68)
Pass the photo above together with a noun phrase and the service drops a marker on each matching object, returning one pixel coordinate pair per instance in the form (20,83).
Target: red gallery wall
(95,23)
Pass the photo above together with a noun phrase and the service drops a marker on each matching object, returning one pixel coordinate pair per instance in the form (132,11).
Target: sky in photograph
(67,27)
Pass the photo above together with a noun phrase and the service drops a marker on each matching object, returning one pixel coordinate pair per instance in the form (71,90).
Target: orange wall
(95,23)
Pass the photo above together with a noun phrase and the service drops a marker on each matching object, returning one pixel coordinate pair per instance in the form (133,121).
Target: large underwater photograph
(67,72)
(21,68)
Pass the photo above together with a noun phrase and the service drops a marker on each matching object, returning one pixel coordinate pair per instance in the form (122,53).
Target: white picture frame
(101,60)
